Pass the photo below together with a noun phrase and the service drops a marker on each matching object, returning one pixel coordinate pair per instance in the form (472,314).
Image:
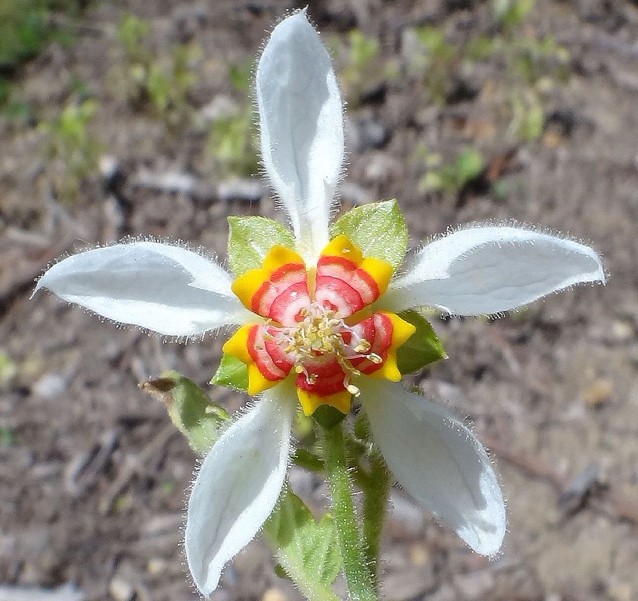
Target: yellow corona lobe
(310,402)
(237,346)
(342,247)
(246,285)
(379,270)
(401,332)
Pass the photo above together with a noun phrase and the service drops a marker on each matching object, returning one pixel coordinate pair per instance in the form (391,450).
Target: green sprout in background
(26,27)
(233,138)
(450,177)
(72,151)
(362,65)
(529,68)
(148,82)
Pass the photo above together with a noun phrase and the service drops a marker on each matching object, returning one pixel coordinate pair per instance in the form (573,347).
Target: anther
(363,346)
(353,390)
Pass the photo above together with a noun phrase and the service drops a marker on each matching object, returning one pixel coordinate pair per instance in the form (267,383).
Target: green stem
(375,503)
(358,577)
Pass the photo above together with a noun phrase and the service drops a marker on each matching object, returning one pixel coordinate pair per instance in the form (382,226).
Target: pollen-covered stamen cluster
(321,333)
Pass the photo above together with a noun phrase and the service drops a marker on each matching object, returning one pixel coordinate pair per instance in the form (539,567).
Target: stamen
(353,390)
(363,346)
(320,333)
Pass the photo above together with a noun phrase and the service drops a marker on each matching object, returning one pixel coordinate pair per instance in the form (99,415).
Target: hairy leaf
(378,229)
(189,408)
(250,239)
(231,373)
(306,549)
(422,348)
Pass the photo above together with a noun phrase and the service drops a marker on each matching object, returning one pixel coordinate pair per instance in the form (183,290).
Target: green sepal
(378,229)
(231,373)
(308,460)
(189,408)
(422,348)
(327,416)
(250,239)
(306,550)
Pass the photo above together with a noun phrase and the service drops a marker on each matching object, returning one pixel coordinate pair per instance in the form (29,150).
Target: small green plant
(233,139)
(26,26)
(526,67)
(8,369)
(450,177)
(527,115)
(72,151)
(510,13)
(7,437)
(434,60)
(362,66)
(160,83)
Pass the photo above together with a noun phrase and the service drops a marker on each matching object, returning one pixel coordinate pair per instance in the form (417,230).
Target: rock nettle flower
(317,324)
(322,315)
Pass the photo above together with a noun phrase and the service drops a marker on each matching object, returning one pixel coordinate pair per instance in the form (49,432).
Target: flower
(319,321)
(317,324)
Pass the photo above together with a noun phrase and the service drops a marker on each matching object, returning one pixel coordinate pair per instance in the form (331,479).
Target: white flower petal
(167,289)
(238,486)
(488,269)
(301,121)
(439,462)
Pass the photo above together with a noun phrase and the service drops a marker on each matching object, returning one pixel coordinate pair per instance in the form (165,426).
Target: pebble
(49,386)
(474,585)
(108,166)
(354,194)
(408,515)
(176,182)
(597,393)
(221,107)
(366,133)
(419,555)
(444,593)
(408,584)
(620,591)
(121,590)
(245,190)
(157,566)
(66,592)
(622,331)
(274,594)
(383,168)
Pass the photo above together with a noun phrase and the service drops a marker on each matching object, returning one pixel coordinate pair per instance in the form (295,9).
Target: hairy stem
(355,566)
(375,503)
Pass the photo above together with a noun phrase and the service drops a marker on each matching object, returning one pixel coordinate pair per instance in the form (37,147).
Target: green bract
(378,229)
(250,239)
(422,348)
(189,409)
(231,373)
(305,548)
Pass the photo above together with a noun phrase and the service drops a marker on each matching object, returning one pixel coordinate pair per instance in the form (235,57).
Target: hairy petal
(301,124)
(488,269)
(439,462)
(238,486)
(164,288)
